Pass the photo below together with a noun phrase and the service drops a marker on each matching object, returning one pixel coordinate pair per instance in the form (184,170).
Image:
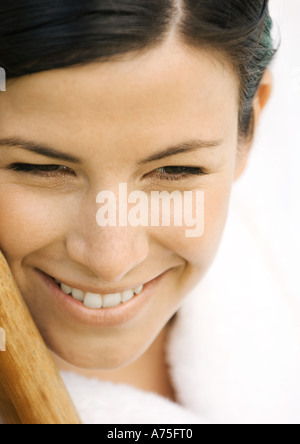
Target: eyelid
(46,170)
(189,169)
(58,171)
(186,173)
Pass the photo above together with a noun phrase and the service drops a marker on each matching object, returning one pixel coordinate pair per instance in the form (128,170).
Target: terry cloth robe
(233,350)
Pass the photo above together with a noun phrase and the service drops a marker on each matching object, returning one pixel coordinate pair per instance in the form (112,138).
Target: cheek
(28,222)
(199,251)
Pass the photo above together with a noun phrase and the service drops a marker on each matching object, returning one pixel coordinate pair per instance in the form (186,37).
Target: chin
(95,359)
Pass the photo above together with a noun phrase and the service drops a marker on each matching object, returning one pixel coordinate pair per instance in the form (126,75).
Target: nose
(108,253)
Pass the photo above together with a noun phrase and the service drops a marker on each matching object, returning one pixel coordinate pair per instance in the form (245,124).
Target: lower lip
(103,317)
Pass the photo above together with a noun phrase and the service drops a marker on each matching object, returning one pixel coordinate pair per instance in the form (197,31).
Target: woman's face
(101,123)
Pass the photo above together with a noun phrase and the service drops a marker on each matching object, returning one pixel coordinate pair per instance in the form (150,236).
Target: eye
(42,170)
(178,172)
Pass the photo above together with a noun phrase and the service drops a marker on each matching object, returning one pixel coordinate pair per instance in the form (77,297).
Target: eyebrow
(38,149)
(184,147)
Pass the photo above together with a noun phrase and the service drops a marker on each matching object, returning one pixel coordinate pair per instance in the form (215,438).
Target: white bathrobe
(234,350)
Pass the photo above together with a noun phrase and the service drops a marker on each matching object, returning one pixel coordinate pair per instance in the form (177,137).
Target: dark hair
(36,35)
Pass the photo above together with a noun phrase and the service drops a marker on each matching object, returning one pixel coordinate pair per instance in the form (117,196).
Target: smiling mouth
(96,301)
(93,307)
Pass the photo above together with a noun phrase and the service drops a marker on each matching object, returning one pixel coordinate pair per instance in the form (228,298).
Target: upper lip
(86,289)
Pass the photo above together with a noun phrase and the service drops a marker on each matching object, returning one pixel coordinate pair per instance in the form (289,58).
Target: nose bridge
(110,252)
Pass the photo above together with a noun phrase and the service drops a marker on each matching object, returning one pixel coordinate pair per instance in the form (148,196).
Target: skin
(112,115)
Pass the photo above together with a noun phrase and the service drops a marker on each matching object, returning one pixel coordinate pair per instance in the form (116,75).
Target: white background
(271,183)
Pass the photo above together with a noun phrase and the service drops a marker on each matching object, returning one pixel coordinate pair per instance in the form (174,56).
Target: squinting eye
(178,172)
(164,173)
(42,170)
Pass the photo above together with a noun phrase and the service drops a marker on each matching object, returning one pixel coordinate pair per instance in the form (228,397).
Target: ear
(259,102)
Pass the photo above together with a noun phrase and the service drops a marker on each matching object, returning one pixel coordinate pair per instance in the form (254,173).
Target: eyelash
(42,170)
(182,172)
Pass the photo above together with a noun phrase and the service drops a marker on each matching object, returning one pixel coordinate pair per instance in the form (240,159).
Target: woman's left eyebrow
(183,147)
(37,148)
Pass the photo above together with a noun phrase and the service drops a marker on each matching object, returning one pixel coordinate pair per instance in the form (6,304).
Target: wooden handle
(31,388)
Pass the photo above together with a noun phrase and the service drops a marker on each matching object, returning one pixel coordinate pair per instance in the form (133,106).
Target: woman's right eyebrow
(36,148)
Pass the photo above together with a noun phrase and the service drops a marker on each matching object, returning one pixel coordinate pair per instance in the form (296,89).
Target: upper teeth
(92,300)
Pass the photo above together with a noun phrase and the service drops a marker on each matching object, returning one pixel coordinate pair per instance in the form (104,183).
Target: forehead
(150,95)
